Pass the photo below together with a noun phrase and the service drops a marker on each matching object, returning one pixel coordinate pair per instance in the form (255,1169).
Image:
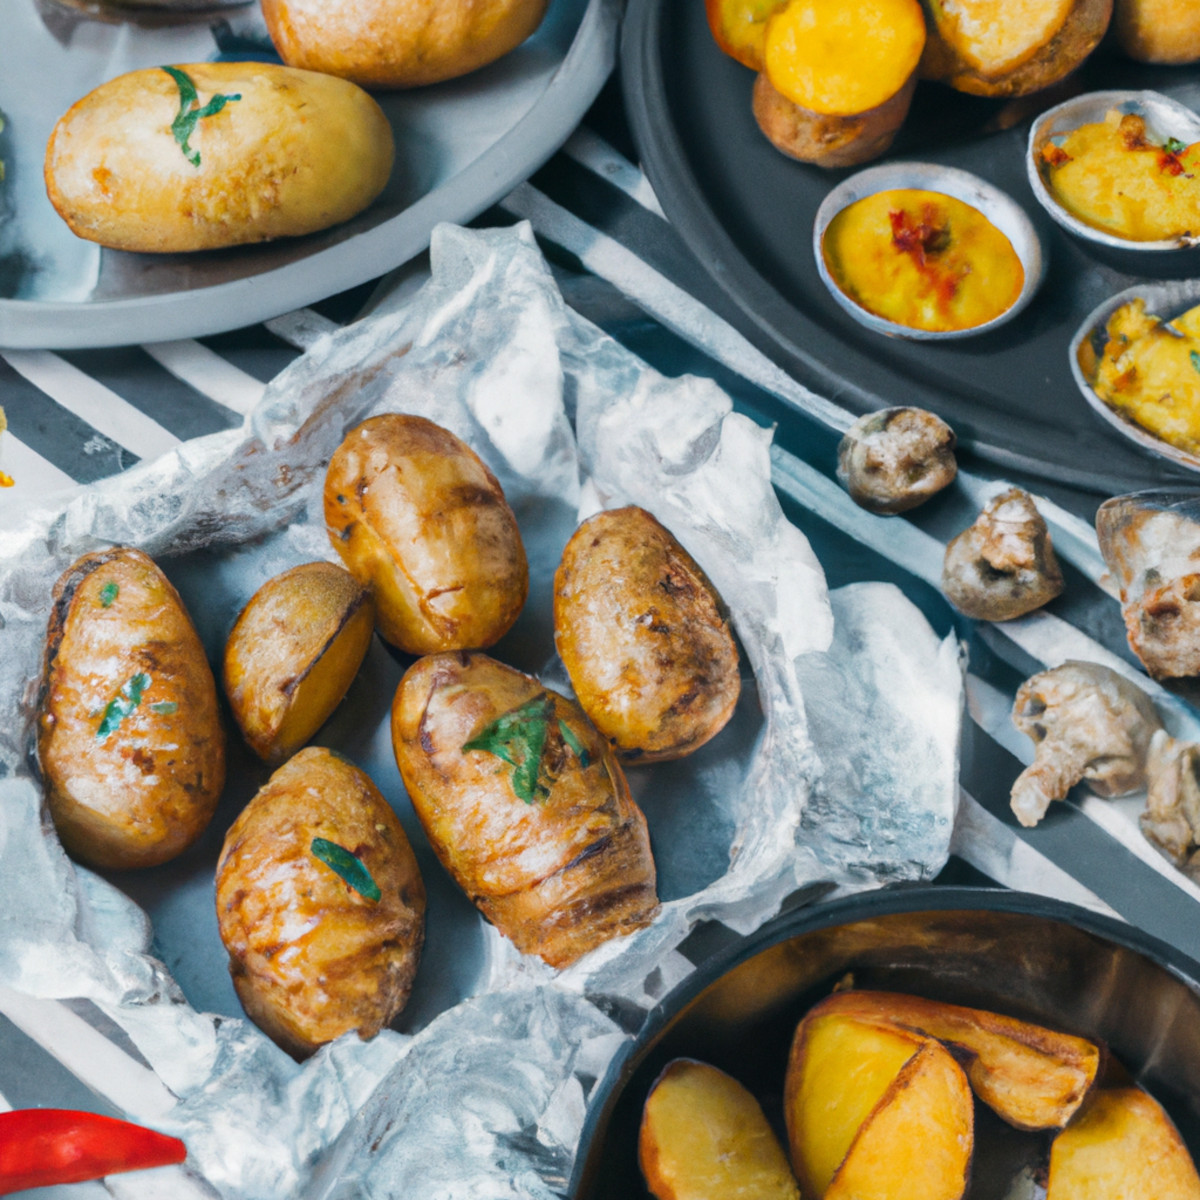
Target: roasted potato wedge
(644,637)
(876,1112)
(1010,47)
(703,1135)
(130,742)
(524,804)
(1158,31)
(320,904)
(292,654)
(417,517)
(1033,1077)
(1123,1145)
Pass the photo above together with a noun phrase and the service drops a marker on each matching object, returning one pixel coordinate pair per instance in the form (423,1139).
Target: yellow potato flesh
(922,259)
(839,59)
(841,1069)
(995,36)
(704,1135)
(1122,1147)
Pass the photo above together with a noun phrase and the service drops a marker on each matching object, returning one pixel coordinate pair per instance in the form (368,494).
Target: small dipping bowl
(998,207)
(1165,118)
(1166,300)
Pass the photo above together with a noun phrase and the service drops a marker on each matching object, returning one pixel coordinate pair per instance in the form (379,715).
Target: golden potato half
(399,43)
(524,805)
(417,516)
(320,904)
(129,738)
(293,653)
(205,155)
(644,637)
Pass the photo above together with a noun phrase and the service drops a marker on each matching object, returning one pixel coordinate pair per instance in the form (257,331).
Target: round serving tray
(746,211)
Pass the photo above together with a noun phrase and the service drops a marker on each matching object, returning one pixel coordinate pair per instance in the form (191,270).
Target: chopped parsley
(108,593)
(1174,146)
(188,116)
(121,705)
(349,866)
(1195,357)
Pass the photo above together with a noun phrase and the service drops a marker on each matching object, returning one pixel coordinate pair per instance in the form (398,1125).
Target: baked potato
(417,517)
(320,904)
(1010,47)
(206,155)
(644,637)
(1158,31)
(524,805)
(838,79)
(399,43)
(129,738)
(293,652)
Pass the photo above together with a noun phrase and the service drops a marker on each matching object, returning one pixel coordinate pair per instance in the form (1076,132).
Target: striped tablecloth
(80,416)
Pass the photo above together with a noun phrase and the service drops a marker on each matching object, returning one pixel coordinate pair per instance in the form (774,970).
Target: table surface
(79,416)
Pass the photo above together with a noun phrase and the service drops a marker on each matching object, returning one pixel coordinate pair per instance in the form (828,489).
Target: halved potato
(1033,1077)
(1122,1146)
(876,1112)
(704,1135)
(1010,47)
(293,653)
(739,27)
(1158,31)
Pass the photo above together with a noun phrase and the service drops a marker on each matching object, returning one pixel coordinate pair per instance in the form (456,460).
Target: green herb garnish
(108,593)
(576,746)
(519,738)
(1174,146)
(164,707)
(121,705)
(188,117)
(349,866)
(1195,357)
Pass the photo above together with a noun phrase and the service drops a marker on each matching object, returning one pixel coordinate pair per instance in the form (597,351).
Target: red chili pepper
(44,1146)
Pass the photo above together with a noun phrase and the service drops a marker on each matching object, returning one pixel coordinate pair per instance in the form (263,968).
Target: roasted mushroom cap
(892,460)
(1151,543)
(1089,723)
(1171,819)
(1003,566)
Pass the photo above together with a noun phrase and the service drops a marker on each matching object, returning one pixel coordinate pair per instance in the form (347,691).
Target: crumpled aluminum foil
(839,768)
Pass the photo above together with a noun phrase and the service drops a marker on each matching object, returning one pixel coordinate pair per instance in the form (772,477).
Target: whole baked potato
(205,155)
(417,516)
(524,805)
(320,904)
(644,637)
(399,43)
(130,742)
(293,652)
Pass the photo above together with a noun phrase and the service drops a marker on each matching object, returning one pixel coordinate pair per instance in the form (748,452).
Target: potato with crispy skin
(292,654)
(1158,31)
(1010,47)
(417,517)
(320,904)
(837,78)
(206,155)
(644,637)
(704,1135)
(130,742)
(524,805)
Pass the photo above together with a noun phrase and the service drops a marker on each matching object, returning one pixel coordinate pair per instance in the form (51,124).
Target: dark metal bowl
(1006,951)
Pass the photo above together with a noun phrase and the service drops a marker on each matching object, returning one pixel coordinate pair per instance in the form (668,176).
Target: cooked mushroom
(892,460)
(1171,820)
(1089,723)
(1151,542)
(1002,566)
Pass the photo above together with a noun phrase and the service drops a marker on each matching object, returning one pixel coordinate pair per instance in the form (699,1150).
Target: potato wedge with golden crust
(644,637)
(704,1135)
(1010,47)
(320,904)
(1158,31)
(130,742)
(1031,1076)
(1123,1145)
(524,804)
(876,1112)
(292,654)
(417,517)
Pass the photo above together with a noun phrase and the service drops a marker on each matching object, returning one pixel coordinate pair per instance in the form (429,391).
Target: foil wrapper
(839,767)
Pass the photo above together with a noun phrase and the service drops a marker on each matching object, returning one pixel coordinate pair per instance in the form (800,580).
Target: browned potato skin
(1065,51)
(310,957)
(417,517)
(144,793)
(558,876)
(643,635)
(277,644)
(828,141)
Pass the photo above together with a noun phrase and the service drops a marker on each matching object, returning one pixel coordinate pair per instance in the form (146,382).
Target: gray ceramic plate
(460,146)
